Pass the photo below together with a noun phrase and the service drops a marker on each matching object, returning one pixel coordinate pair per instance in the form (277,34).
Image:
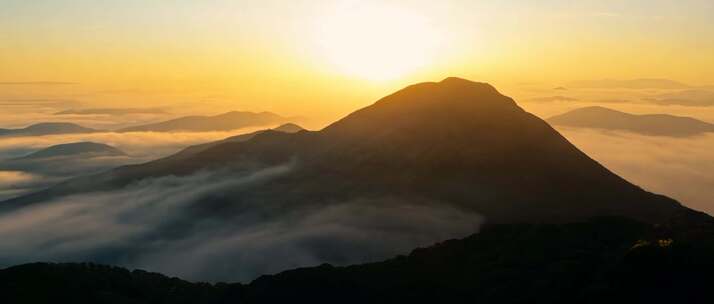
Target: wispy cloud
(211,220)
(677,167)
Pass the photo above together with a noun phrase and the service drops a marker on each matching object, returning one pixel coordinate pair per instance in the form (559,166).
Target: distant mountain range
(49,128)
(647,124)
(429,140)
(560,227)
(223,122)
(60,162)
(78,149)
(111,111)
(589,262)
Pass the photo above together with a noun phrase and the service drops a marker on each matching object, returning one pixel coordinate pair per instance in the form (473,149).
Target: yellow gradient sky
(325,58)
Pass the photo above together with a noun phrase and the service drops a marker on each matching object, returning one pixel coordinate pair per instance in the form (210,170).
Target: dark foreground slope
(595,261)
(649,124)
(455,143)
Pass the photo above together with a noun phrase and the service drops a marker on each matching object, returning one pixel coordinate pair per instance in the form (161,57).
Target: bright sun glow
(375,41)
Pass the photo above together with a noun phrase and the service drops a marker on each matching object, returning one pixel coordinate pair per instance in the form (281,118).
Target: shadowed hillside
(589,262)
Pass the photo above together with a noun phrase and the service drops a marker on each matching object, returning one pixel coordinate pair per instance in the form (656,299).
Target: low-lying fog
(18,177)
(681,168)
(150,225)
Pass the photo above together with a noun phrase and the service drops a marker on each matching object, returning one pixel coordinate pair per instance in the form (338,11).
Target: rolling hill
(588,262)
(48,128)
(78,149)
(223,122)
(647,124)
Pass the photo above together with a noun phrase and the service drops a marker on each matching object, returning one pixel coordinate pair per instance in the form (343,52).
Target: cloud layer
(169,225)
(677,167)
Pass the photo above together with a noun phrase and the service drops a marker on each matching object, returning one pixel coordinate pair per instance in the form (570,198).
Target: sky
(326,58)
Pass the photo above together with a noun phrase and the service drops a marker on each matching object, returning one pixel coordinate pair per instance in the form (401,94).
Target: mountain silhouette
(588,262)
(63,161)
(186,153)
(83,149)
(48,128)
(456,142)
(648,124)
(285,128)
(223,122)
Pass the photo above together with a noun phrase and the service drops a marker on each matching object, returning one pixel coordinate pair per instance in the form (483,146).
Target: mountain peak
(289,128)
(456,82)
(437,104)
(453,141)
(451,90)
(84,148)
(465,82)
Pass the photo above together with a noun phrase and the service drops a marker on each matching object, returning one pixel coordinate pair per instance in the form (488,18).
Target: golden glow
(326,58)
(376,41)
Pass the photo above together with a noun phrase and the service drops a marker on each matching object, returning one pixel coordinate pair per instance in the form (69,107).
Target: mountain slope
(455,142)
(85,149)
(47,128)
(590,262)
(61,162)
(223,122)
(649,124)
(188,152)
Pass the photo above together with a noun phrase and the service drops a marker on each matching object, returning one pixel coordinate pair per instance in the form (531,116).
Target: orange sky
(326,58)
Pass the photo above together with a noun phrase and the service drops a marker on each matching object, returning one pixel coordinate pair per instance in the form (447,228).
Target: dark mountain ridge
(588,262)
(188,152)
(458,142)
